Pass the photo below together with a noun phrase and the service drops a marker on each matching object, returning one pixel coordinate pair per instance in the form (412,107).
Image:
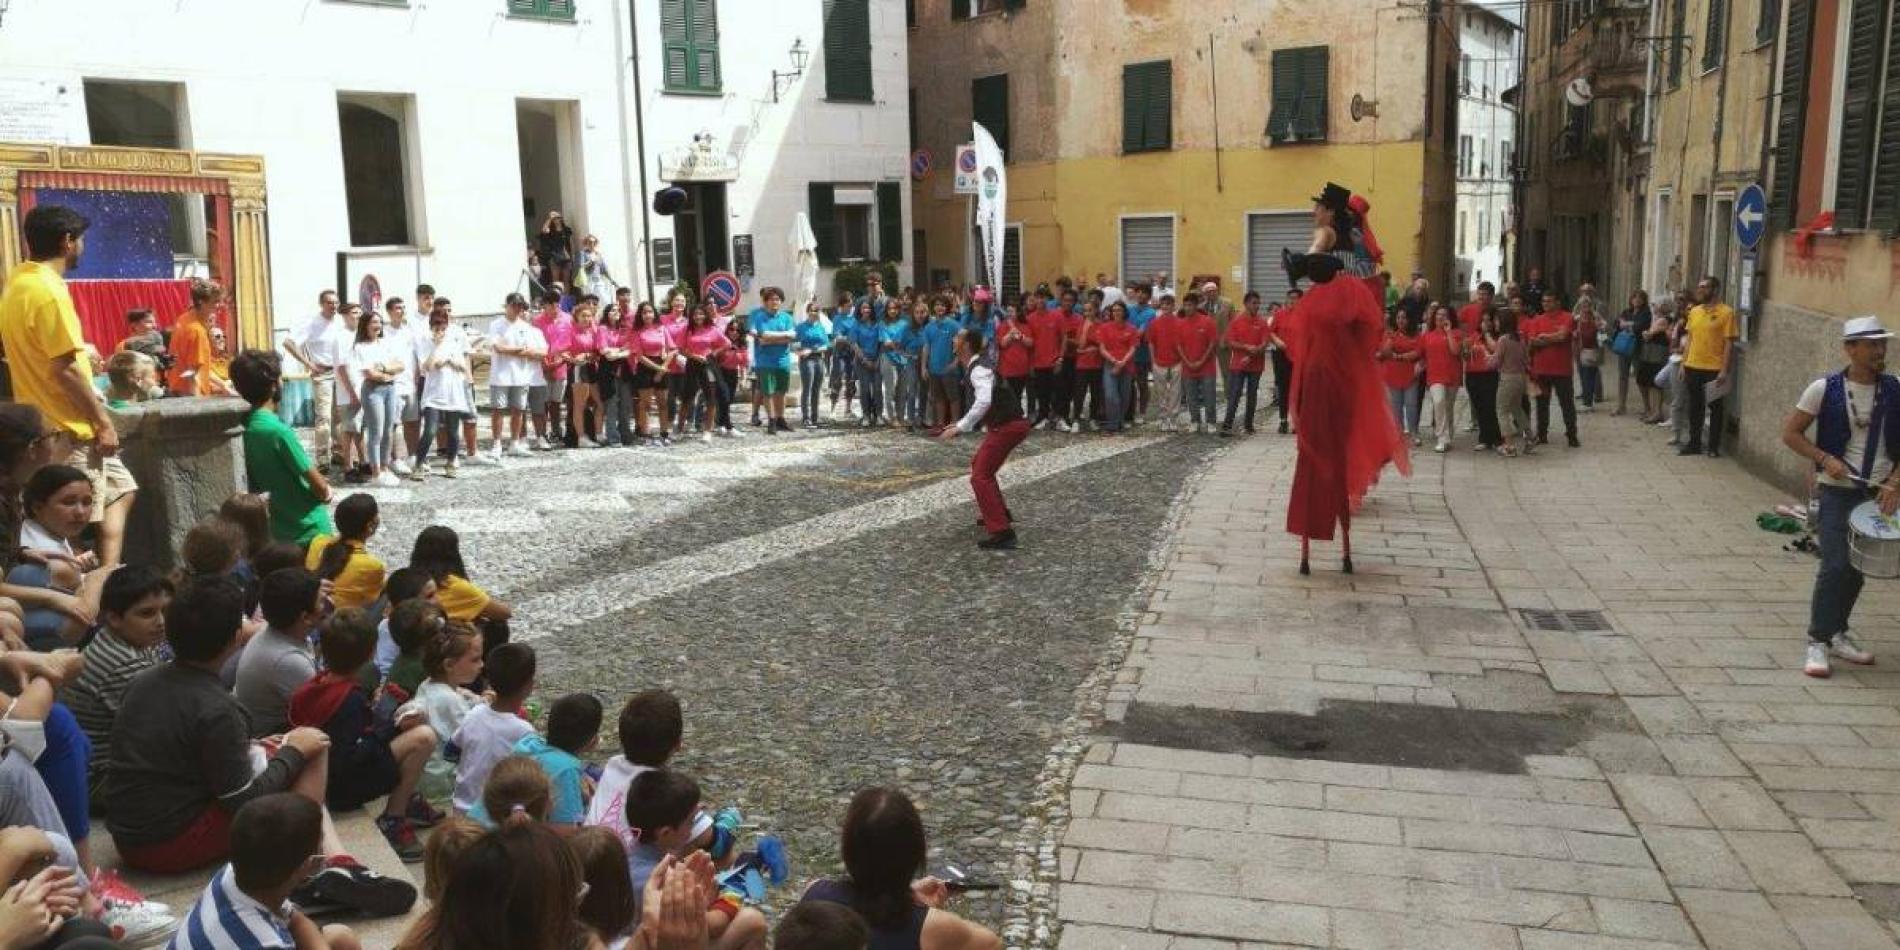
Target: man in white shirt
(405,337)
(517,348)
(1004,429)
(318,345)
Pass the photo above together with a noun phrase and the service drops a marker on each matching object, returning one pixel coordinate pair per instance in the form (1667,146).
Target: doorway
(700,232)
(546,133)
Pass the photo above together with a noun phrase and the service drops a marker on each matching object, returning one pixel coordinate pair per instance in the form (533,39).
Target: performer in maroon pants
(1004,429)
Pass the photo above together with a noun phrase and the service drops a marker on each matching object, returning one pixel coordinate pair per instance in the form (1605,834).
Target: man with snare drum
(1853,451)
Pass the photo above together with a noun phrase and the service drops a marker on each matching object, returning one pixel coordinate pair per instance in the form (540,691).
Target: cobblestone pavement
(817,602)
(1398,759)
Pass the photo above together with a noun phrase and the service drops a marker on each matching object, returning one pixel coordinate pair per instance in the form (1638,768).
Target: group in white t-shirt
(516,347)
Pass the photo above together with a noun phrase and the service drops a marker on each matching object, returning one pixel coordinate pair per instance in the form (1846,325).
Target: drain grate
(1566,621)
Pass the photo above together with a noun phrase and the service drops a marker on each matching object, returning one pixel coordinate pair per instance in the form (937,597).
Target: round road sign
(721,289)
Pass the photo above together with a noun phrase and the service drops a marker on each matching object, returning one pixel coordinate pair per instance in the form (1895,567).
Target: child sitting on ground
(132,605)
(356,575)
(573,731)
(651,727)
(452,658)
(516,786)
(405,584)
(278,661)
(446,844)
(412,625)
(365,761)
(492,728)
(247,905)
(607,906)
(663,813)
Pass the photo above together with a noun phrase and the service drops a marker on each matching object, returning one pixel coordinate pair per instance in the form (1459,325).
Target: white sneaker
(1844,647)
(732,433)
(1817,665)
(705,437)
(494,454)
(591,444)
(143,924)
(1441,447)
(401,466)
(519,450)
(448,470)
(388,479)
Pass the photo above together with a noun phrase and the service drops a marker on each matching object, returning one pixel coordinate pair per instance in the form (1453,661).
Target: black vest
(1005,404)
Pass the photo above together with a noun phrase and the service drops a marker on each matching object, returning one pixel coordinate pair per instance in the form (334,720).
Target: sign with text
(742,262)
(968,182)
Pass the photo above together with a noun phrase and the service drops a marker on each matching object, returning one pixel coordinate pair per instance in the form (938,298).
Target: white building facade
(1488,65)
(422,141)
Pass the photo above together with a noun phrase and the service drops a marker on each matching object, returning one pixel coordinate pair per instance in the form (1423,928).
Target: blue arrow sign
(1751,217)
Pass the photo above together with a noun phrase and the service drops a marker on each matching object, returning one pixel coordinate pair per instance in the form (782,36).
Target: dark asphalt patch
(1397,734)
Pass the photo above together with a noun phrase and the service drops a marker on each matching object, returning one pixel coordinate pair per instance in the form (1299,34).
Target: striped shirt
(94,696)
(226,918)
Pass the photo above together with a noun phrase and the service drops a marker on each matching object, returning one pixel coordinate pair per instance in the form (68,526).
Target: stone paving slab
(1722,798)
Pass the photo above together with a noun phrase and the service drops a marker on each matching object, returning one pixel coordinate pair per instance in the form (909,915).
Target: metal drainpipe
(640,146)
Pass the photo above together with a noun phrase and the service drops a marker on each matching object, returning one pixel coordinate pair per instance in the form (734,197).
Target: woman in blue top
(893,334)
(813,345)
(867,339)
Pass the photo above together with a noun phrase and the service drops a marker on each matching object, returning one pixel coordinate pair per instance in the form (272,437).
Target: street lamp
(800,56)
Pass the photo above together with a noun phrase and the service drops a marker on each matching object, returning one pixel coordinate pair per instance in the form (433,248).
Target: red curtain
(102,305)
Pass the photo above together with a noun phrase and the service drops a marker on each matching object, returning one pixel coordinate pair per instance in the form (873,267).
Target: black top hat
(669,201)
(1333,196)
(1318,268)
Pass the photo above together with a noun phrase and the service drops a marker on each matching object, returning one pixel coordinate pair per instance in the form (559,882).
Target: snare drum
(1873,541)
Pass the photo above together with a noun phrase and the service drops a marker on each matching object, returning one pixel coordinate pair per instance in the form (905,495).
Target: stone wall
(1791,347)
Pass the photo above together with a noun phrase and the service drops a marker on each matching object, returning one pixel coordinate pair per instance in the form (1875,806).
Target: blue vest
(1835,428)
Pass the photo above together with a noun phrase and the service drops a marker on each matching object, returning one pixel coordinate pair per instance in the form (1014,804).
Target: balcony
(1609,49)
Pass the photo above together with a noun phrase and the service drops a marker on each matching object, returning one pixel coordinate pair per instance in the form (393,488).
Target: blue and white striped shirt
(226,918)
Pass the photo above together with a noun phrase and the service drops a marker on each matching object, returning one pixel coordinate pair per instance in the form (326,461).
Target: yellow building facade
(1109,176)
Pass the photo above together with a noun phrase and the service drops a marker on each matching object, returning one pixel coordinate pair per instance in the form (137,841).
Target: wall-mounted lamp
(800,56)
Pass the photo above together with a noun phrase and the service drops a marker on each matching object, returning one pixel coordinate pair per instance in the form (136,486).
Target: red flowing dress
(1346,434)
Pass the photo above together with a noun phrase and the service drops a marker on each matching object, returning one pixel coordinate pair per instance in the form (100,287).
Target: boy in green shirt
(274,461)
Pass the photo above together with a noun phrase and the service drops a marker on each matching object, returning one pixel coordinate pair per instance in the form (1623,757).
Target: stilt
(1306,546)
(1345,540)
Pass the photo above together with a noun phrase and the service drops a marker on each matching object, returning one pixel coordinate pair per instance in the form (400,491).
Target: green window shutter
(1866,45)
(689,44)
(890,221)
(1767,21)
(959,9)
(848,50)
(989,106)
(1791,116)
(823,208)
(1715,37)
(1311,122)
(1147,107)
(1285,77)
(676,47)
(1886,204)
(704,22)
(548,9)
(1678,24)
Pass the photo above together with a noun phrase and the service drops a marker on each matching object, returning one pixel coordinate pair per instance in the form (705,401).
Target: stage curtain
(102,305)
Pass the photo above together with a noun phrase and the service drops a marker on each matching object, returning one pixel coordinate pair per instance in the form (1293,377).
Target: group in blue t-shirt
(771,355)
(897,333)
(812,337)
(940,336)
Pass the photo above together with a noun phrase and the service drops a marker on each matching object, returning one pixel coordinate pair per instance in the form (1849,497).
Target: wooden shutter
(1767,21)
(676,47)
(523,7)
(959,9)
(848,50)
(1886,191)
(704,23)
(1791,116)
(1147,106)
(1679,24)
(1866,45)
(1715,36)
(823,209)
(1310,124)
(560,8)
(890,221)
(1285,77)
(989,106)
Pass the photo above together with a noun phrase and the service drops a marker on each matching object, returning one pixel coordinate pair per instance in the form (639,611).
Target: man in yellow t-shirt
(48,358)
(1712,330)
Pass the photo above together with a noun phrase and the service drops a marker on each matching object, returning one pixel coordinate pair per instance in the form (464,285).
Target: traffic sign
(1751,217)
(920,164)
(721,289)
(967,182)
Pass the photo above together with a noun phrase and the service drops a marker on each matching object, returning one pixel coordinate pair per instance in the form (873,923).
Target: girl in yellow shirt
(357,576)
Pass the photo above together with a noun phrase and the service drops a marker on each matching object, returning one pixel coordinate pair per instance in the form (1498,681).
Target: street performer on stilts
(1004,428)
(1346,435)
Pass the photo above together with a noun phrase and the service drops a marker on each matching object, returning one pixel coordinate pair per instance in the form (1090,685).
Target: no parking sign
(721,289)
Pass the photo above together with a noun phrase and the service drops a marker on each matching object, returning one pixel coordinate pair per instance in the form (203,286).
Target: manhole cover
(1566,621)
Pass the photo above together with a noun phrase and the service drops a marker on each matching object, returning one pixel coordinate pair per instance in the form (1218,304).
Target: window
(1483,157)
(989,106)
(1505,158)
(1464,156)
(913,118)
(1012,258)
(890,221)
(1464,73)
(1267,234)
(543,9)
(1855,178)
(1715,38)
(1462,246)
(965,9)
(1147,245)
(1677,39)
(1148,107)
(1299,95)
(135,114)
(1767,21)
(856,222)
(375,134)
(848,50)
(689,39)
